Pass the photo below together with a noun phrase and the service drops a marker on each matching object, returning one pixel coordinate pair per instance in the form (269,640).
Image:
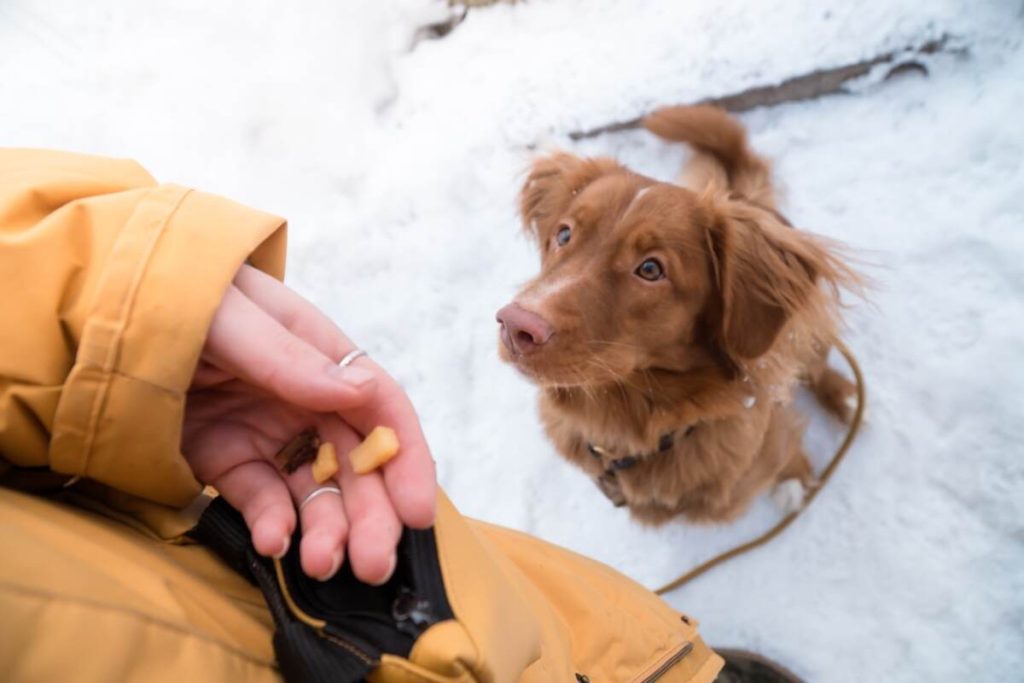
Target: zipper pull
(412,614)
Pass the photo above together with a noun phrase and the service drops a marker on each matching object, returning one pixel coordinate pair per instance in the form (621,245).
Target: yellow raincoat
(108,283)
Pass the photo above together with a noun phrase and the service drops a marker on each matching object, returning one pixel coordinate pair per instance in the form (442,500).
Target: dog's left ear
(551,186)
(764,272)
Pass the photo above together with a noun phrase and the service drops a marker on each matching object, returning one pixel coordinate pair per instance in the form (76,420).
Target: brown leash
(851,434)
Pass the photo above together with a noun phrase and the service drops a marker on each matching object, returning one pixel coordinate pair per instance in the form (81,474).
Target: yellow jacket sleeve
(108,284)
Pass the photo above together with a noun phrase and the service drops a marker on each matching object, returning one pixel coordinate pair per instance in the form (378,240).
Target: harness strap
(665,443)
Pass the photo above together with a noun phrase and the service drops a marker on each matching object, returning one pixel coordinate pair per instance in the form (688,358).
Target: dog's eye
(651,269)
(564,233)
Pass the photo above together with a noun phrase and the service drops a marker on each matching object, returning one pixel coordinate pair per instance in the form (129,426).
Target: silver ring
(316,492)
(351,356)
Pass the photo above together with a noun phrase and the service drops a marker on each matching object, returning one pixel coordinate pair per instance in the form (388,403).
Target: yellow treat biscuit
(377,448)
(326,464)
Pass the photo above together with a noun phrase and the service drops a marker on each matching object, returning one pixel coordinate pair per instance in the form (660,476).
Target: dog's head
(639,275)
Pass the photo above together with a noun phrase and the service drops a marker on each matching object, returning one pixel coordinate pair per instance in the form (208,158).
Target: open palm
(268,371)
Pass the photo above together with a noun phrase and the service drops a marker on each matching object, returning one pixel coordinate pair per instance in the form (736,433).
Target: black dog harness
(665,443)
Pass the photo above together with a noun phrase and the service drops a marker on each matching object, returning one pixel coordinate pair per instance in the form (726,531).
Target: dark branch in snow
(809,86)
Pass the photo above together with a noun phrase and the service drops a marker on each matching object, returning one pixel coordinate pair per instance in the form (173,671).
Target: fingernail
(354,375)
(286,542)
(391,570)
(335,565)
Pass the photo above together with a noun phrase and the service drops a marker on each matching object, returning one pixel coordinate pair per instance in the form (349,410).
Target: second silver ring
(316,492)
(350,357)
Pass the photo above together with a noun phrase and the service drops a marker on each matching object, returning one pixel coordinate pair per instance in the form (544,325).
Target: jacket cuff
(120,414)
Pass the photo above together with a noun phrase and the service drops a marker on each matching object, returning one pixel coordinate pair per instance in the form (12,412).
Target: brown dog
(668,328)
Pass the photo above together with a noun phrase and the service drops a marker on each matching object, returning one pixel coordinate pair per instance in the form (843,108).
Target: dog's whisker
(596,342)
(616,378)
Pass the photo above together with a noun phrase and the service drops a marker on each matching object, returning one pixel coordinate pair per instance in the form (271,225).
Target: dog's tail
(723,154)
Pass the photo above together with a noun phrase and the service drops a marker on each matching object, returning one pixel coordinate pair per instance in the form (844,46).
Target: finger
(294,312)
(374,525)
(244,340)
(255,489)
(324,525)
(233,456)
(207,375)
(410,477)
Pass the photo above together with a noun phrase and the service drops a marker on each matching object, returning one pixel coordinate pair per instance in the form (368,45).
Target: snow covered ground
(398,167)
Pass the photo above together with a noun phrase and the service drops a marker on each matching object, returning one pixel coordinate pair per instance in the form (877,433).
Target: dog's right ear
(549,190)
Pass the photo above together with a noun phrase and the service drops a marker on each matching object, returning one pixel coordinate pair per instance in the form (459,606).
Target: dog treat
(326,464)
(377,448)
(299,451)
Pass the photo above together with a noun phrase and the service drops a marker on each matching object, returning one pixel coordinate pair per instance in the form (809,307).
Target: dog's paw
(789,495)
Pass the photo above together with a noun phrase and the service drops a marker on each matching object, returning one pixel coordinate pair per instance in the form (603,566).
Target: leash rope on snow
(844,447)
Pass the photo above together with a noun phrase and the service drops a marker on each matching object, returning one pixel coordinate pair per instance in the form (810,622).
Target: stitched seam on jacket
(408,669)
(348,648)
(113,354)
(142,616)
(660,659)
(154,385)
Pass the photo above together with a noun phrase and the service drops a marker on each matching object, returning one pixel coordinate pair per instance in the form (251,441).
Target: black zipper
(418,607)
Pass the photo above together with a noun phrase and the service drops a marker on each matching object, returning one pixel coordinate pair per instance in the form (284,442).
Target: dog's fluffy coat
(710,352)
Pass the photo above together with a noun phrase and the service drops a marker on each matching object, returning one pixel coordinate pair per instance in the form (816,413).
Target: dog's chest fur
(717,432)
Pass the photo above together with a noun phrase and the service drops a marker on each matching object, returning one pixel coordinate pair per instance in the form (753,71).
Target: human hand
(268,371)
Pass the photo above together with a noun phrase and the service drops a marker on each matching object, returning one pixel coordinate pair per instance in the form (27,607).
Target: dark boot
(742,666)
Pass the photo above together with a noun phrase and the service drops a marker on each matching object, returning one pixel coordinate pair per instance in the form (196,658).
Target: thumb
(248,343)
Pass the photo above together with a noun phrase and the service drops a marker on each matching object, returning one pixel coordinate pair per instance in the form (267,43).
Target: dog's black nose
(523,331)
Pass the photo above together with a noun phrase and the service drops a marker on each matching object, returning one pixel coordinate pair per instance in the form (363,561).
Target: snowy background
(397,162)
